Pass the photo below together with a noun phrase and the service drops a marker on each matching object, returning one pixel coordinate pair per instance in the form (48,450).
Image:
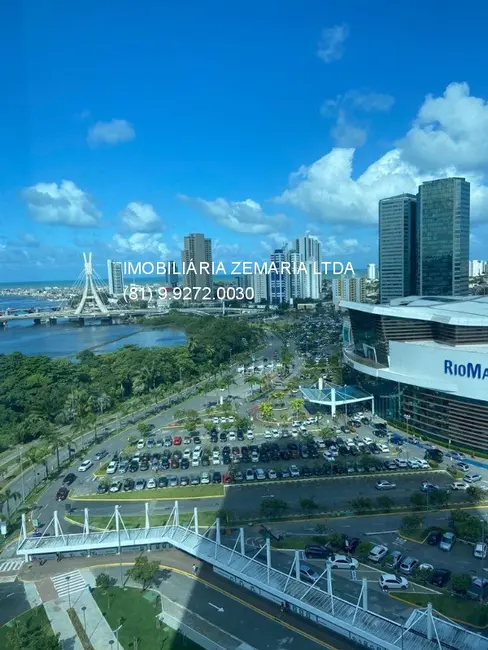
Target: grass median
(138,611)
(454,607)
(205,519)
(35,620)
(166,494)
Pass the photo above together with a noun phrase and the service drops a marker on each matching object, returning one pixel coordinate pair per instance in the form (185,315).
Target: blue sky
(125,126)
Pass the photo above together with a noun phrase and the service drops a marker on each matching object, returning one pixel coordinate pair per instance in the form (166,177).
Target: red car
(227,478)
(177,440)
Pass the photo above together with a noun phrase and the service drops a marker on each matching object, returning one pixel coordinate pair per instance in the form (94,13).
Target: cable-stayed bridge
(87,300)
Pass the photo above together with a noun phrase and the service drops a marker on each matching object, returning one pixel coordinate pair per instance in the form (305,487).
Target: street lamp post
(22,474)
(407,419)
(69,595)
(83,609)
(111,643)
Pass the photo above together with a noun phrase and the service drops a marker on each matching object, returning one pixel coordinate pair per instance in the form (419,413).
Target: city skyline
(126,174)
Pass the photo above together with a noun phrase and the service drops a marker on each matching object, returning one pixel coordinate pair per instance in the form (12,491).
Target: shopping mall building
(425,361)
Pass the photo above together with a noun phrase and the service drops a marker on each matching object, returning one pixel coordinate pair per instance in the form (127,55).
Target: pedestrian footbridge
(424,630)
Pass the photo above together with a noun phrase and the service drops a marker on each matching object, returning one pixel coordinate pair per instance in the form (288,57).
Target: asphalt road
(14,601)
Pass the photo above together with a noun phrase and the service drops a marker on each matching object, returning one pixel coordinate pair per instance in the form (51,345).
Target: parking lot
(267,457)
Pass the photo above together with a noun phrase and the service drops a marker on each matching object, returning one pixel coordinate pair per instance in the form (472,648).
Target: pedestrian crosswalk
(71,583)
(11,565)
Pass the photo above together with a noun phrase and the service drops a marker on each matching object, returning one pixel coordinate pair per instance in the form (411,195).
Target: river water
(67,340)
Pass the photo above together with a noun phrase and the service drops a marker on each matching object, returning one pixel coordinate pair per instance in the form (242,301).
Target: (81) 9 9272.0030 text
(134,293)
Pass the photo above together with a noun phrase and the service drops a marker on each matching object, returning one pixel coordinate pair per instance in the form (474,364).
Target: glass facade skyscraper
(443,208)
(397,246)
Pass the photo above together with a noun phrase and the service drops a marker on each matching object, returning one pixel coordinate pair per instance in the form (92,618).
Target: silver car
(447,542)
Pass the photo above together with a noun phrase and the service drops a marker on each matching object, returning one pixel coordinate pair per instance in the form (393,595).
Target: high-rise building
(115,278)
(259,283)
(443,237)
(309,250)
(396,216)
(198,249)
(352,288)
(371,272)
(477,268)
(171,273)
(278,281)
(295,285)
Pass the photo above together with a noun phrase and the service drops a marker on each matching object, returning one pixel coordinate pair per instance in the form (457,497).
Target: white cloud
(346,134)
(141,217)
(327,191)
(240,216)
(220,250)
(361,100)
(331,44)
(331,247)
(64,204)
(141,244)
(112,132)
(451,130)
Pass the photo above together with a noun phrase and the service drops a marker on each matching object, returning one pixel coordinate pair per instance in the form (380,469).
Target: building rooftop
(470,311)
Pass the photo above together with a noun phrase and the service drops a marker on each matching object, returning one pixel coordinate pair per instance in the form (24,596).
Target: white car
(472,478)
(205,478)
(112,467)
(377,553)
(85,465)
(401,462)
(260,474)
(250,435)
(215,457)
(458,485)
(215,420)
(327,455)
(195,461)
(231,419)
(187,454)
(115,487)
(390,581)
(480,550)
(268,434)
(272,474)
(232,436)
(151,484)
(197,449)
(249,475)
(412,463)
(255,457)
(294,471)
(384,449)
(320,443)
(140,443)
(368,441)
(342,562)
(385,485)
(276,433)
(422,463)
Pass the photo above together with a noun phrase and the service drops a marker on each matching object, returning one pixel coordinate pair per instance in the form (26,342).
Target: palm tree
(266,410)
(252,380)
(10,494)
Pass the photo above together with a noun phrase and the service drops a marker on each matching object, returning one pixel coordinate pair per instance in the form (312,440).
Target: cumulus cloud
(113,132)
(451,130)
(240,216)
(443,142)
(346,134)
(141,217)
(141,243)
(331,43)
(63,204)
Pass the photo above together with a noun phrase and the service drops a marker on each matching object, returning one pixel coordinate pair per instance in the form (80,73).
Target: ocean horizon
(51,284)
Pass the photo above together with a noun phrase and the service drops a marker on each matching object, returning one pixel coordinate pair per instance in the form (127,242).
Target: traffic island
(166,494)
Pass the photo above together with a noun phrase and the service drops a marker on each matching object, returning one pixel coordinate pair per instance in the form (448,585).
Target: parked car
(377,553)
(140,484)
(116,486)
(162,482)
(205,478)
(294,471)
(151,484)
(434,538)
(140,443)
(458,485)
(112,467)
(391,581)
(408,565)
(342,562)
(480,550)
(440,577)
(69,478)
(317,551)
(128,485)
(447,541)
(308,574)
(102,488)
(393,560)
(101,454)
(472,478)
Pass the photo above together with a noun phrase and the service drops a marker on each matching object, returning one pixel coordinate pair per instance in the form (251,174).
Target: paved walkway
(307,631)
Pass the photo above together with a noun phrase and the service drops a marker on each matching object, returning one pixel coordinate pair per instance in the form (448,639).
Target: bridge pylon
(90,299)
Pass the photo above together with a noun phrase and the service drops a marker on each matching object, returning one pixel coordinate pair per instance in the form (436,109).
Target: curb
(457,620)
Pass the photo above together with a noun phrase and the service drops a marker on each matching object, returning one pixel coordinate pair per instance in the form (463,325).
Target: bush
(364,549)
(103,580)
(461,582)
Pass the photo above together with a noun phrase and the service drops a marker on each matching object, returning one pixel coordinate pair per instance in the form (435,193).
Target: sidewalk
(92,619)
